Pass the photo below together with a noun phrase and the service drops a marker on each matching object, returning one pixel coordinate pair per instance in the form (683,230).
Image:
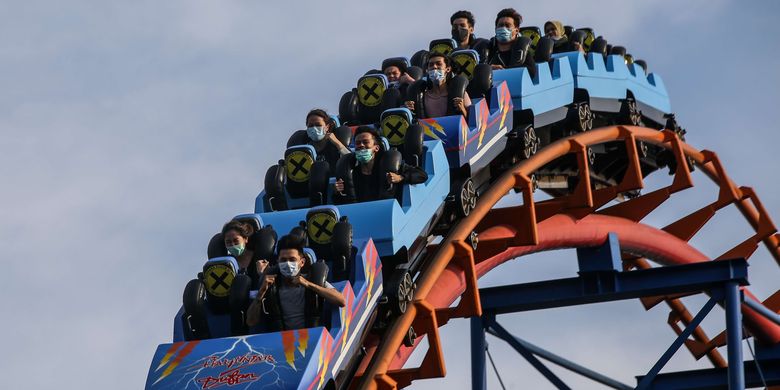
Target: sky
(131,131)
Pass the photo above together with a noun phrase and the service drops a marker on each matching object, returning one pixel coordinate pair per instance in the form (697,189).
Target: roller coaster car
(312,358)
(399,227)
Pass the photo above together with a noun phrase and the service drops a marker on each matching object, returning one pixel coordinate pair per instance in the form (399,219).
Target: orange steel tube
(383,357)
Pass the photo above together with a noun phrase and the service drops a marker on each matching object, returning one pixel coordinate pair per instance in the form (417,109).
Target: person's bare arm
(255,311)
(335,141)
(329,294)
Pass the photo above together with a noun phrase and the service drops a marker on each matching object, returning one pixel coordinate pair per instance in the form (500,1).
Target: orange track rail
(510,232)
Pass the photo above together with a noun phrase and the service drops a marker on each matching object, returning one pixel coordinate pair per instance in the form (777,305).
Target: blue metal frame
(601,280)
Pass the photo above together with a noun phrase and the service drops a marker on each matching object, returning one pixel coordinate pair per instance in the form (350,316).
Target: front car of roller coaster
(587,129)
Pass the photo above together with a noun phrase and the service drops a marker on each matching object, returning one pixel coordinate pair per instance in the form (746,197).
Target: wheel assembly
(467,198)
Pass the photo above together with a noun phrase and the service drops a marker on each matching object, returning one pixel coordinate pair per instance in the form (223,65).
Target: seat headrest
(252,219)
(320,222)
(335,120)
(385,144)
(589,38)
(310,256)
(218,275)
(394,123)
(298,161)
(533,33)
(371,88)
(401,62)
(442,46)
(464,61)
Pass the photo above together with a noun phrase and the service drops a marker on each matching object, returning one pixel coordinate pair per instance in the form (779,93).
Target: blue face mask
(316,133)
(236,250)
(436,75)
(364,155)
(503,34)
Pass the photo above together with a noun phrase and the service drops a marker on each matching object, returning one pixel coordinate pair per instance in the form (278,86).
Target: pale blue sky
(130,131)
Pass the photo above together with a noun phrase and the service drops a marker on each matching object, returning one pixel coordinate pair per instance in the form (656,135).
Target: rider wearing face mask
(288,300)
(554,30)
(319,129)
(462,23)
(236,236)
(507,31)
(370,182)
(436,96)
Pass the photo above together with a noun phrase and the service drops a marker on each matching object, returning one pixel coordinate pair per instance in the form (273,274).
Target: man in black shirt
(507,31)
(370,184)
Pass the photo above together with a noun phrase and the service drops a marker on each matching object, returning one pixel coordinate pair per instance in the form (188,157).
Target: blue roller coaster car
(311,358)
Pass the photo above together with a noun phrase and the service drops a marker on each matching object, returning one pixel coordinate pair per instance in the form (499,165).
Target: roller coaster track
(578,219)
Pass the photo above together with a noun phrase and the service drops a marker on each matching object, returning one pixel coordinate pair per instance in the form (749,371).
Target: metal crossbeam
(604,286)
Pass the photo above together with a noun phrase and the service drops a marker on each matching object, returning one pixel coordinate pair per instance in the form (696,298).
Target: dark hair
(446,58)
(243,229)
(370,130)
(322,114)
(290,241)
(510,12)
(463,14)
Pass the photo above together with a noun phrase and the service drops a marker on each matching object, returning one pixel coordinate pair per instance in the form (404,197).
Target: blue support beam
(503,334)
(568,364)
(607,286)
(648,379)
(734,335)
(717,378)
(478,349)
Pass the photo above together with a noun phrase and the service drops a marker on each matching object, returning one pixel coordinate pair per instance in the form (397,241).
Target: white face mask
(289,269)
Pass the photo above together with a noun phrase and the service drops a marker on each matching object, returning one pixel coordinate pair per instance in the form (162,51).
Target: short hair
(510,12)
(290,241)
(322,114)
(368,129)
(463,14)
(434,55)
(243,229)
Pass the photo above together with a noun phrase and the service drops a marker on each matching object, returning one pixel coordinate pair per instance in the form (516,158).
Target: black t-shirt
(370,187)
(328,152)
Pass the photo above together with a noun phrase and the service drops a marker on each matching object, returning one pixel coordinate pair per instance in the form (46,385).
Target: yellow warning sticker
(320,227)
(218,279)
(394,129)
(370,91)
(298,165)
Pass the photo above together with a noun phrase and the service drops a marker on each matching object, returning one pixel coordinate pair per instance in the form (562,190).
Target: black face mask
(459,34)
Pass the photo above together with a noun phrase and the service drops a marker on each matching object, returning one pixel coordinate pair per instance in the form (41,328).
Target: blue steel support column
(734,336)
(478,367)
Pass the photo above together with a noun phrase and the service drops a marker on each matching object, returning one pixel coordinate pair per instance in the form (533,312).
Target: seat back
(442,46)
(370,92)
(298,161)
(588,38)
(533,33)
(218,275)
(320,224)
(464,61)
(398,128)
(480,76)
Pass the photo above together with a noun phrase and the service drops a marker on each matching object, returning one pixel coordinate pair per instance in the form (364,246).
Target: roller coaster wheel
(410,336)
(591,156)
(401,291)
(583,121)
(642,149)
(629,114)
(467,198)
(530,142)
(473,240)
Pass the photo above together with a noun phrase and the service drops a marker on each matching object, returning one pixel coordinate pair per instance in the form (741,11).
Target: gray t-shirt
(293,302)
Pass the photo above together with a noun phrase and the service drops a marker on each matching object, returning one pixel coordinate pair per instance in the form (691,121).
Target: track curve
(454,268)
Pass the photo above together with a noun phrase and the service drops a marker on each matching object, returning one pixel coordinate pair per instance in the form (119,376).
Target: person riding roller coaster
(288,300)
(377,171)
(503,53)
(436,92)
(462,23)
(319,128)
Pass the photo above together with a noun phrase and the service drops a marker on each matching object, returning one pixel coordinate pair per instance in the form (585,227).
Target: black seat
(480,76)
(442,46)
(330,237)
(401,132)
